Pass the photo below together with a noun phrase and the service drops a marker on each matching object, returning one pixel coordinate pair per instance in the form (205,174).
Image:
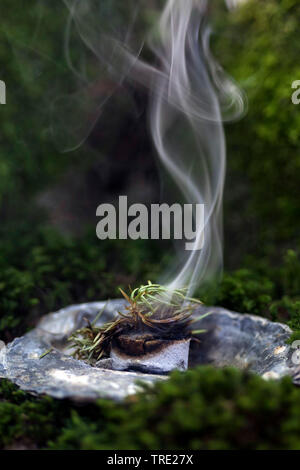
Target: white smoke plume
(190,95)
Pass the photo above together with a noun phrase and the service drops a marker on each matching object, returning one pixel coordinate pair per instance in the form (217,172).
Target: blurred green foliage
(204,408)
(42,270)
(32,64)
(257,44)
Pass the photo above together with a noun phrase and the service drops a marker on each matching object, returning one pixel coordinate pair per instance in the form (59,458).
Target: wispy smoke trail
(234,3)
(190,98)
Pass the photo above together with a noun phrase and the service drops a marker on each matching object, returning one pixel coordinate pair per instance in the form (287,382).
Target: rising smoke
(190,98)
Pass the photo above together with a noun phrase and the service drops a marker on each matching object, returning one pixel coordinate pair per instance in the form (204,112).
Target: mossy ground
(42,270)
(201,409)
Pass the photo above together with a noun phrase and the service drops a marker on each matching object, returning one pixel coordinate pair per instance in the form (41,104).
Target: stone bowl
(40,362)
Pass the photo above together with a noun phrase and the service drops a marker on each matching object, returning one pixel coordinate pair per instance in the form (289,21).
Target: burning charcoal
(149,354)
(153,335)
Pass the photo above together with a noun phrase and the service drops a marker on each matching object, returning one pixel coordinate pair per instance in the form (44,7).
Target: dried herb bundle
(152,308)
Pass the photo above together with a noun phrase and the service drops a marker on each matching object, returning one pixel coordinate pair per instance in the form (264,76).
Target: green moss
(200,409)
(287,310)
(246,291)
(41,271)
(24,419)
(294,337)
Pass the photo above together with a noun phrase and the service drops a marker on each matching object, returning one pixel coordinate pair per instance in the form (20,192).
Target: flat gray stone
(231,339)
(243,341)
(58,374)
